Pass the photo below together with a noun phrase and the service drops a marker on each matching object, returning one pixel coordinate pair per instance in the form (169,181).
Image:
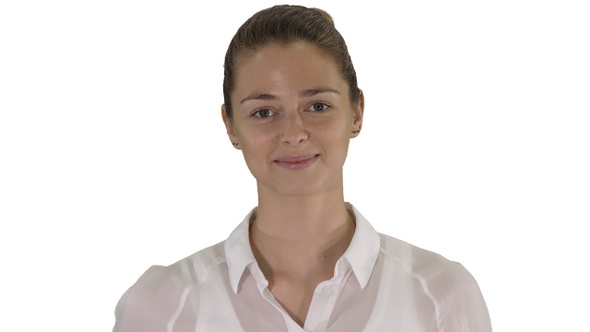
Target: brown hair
(284,24)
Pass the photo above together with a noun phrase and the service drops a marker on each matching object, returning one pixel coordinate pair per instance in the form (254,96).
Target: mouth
(296,162)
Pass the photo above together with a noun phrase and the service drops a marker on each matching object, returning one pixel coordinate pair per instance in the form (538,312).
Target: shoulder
(191,270)
(448,285)
(161,290)
(422,263)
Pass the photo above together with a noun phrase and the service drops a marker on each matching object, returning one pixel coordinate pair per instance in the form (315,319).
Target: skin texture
(293,120)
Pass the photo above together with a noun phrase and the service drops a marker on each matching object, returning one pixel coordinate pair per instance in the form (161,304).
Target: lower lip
(297,165)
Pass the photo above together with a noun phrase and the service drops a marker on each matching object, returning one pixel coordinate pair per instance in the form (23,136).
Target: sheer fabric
(379,284)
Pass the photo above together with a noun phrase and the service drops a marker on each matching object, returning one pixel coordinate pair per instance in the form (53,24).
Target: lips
(296,162)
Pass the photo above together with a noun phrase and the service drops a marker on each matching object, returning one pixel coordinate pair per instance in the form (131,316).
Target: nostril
(294,132)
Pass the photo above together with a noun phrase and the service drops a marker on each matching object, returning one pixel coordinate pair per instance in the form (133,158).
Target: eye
(262,113)
(318,107)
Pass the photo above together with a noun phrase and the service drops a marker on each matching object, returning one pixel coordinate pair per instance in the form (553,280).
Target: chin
(300,189)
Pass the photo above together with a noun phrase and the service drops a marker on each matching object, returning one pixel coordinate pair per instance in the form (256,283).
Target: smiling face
(292,119)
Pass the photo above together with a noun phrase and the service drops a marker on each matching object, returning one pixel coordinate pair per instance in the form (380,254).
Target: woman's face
(292,118)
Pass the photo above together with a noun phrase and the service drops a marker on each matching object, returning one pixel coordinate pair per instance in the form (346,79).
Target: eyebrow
(305,93)
(316,91)
(259,96)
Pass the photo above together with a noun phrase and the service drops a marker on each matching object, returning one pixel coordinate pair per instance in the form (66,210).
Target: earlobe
(359,111)
(228,127)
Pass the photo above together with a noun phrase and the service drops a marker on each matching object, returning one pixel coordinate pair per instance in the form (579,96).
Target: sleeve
(157,302)
(463,308)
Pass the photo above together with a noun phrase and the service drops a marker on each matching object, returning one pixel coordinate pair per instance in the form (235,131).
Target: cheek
(259,142)
(256,146)
(250,135)
(337,130)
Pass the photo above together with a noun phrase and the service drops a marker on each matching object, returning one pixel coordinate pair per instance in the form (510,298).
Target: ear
(229,127)
(359,111)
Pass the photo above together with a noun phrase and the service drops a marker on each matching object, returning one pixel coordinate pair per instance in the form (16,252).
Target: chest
(332,307)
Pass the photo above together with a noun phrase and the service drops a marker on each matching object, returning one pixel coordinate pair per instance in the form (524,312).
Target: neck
(301,235)
(297,218)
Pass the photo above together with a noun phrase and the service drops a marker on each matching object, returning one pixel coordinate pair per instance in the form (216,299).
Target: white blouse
(379,284)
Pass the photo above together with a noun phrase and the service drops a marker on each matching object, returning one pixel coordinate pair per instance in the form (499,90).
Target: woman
(303,259)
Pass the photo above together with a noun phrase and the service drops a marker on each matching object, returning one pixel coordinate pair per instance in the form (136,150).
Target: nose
(293,131)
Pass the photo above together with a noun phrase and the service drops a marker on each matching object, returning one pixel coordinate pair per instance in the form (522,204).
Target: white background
(113,155)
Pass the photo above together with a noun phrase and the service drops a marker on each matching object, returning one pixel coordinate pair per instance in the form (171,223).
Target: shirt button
(328,290)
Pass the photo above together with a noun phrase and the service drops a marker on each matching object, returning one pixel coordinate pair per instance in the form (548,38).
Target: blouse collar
(361,254)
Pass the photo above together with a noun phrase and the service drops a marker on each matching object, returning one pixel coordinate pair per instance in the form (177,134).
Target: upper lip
(295,158)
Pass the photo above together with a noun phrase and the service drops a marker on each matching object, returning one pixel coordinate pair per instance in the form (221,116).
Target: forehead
(294,65)
(273,47)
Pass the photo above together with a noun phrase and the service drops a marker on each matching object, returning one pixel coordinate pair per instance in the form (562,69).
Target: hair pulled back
(285,24)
